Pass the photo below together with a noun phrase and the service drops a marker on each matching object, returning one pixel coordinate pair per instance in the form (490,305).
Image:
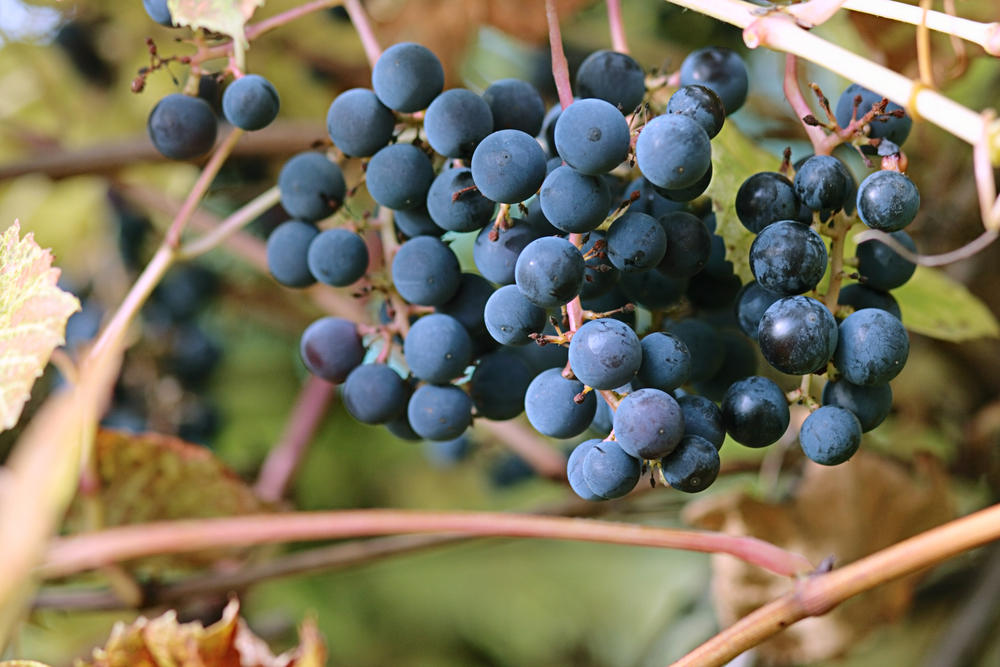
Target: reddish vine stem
(560,68)
(798,103)
(364,29)
(617,26)
(87,551)
(281,464)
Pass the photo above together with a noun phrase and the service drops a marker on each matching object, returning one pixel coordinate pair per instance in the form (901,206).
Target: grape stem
(838,236)
(560,68)
(84,552)
(798,103)
(617,26)
(986,35)
(359,17)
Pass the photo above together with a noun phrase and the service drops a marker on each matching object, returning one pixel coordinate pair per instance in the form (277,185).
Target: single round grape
(415,222)
(250,102)
(510,317)
(609,471)
(407,76)
(887,125)
(764,198)
(700,104)
(860,296)
(691,192)
(468,307)
(888,201)
(689,245)
(692,466)
(702,417)
(797,335)
(592,136)
(496,259)
(375,394)
(331,348)
(883,268)
(358,123)
(158,11)
(455,204)
(788,258)
(703,343)
(574,202)
(755,411)
(830,435)
(648,423)
(182,127)
(822,184)
(516,105)
(551,409)
(870,404)
(456,121)
(311,186)
(666,361)
(549,271)
(872,347)
(751,303)
(739,361)
(613,77)
(720,69)
(574,470)
(437,348)
(337,257)
(508,166)
(399,176)
(605,353)
(288,253)
(402,429)
(673,151)
(425,271)
(439,412)
(636,242)
(498,385)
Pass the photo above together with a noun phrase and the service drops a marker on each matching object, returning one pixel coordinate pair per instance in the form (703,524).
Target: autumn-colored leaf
(33,314)
(228,17)
(164,642)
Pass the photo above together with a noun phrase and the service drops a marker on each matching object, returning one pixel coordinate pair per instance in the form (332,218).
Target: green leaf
(228,17)
(735,157)
(33,314)
(938,306)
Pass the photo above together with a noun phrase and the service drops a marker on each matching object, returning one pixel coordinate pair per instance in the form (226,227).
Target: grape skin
(182,127)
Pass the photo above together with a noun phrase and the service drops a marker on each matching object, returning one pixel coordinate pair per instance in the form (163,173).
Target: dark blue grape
(337,257)
(468,306)
(649,200)
(605,353)
(887,125)
(702,417)
(250,102)
(425,271)
(689,245)
(739,361)
(498,385)
(288,253)
(788,258)
(399,176)
(456,121)
(751,303)
(402,429)
(358,123)
(823,184)
(888,201)
(872,347)
(193,355)
(692,191)
(510,317)
(415,222)
(612,300)
(158,11)
(574,470)
(549,271)
(496,259)
(311,186)
(439,412)
(870,404)
(516,105)
(755,412)
(673,151)
(636,242)
(182,127)
(613,77)
(797,335)
(700,104)
(375,394)
(508,166)
(331,348)
(720,69)
(652,289)
(574,202)
(881,267)
(407,76)
(455,204)
(603,418)
(437,348)
(692,466)
(609,471)
(704,345)
(648,423)
(764,198)
(860,296)
(592,136)
(666,361)
(535,218)
(830,435)
(550,406)
(543,357)
(600,276)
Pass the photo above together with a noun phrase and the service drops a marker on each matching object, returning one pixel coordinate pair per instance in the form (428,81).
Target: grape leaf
(228,17)
(938,306)
(164,642)
(33,314)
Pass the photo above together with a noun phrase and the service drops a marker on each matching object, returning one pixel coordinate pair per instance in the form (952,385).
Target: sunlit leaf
(936,305)
(33,314)
(228,17)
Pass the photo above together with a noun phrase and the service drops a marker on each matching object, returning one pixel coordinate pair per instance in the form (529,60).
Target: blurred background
(218,361)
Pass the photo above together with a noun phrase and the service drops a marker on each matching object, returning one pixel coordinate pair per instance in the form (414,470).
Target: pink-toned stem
(255,30)
(560,68)
(798,103)
(359,17)
(280,466)
(617,26)
(527,444)
(91,550)
(974,246)
(574,309)
(234,222)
